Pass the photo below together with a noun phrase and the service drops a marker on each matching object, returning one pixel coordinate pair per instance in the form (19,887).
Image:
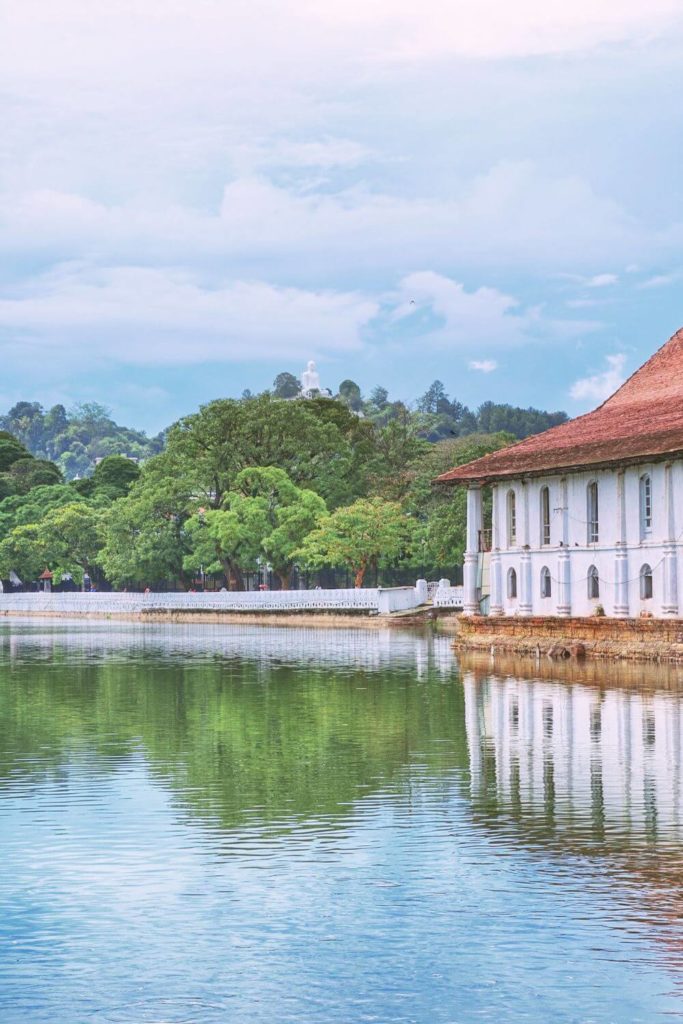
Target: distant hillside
(77,439)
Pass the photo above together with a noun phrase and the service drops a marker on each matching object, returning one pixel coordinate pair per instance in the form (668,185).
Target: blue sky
(196,194)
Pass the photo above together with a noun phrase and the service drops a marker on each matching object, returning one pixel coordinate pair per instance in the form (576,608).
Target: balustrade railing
(382,600)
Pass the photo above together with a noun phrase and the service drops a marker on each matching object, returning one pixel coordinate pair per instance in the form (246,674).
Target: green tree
(11,451)
(379,399)
(24,509)
(25,474)
(145,535)
(286,385)
(115,475)
(397,449)
(71,537)
(349,394)
(24,551)
(492,417)
(265,516)
(209,448)
(359,536)
(442,511)
(225,540)
(288,513)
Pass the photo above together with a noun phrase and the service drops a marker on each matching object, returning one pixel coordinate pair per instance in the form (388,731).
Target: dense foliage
(267,480)
(75,440)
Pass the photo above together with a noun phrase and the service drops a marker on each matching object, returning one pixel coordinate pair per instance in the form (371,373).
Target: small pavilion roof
(642,420)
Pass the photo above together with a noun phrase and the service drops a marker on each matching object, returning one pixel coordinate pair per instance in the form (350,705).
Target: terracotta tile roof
(643,419)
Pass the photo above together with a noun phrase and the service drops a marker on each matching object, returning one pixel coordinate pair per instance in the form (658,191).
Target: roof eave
(557,470)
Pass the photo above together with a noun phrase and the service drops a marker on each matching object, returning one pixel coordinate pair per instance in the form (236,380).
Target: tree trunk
(233,574)
(284,578)
(360,576)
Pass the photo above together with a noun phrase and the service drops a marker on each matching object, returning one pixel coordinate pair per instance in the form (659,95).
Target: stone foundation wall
(559,638)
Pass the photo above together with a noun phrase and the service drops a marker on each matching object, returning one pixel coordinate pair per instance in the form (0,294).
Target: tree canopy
(269,479)
(359,536)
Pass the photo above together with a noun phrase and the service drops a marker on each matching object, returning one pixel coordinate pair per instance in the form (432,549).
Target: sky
(198,194)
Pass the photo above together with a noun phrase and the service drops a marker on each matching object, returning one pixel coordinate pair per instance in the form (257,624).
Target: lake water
(218,824)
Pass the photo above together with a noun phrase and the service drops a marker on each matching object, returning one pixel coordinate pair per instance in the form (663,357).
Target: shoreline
(533,641)
(328,620)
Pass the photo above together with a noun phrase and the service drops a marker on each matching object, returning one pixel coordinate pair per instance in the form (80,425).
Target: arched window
(592,512)
(546,584)
(645,505)
(512,519)
(545,515)
(646,583)
(512,584)
(593,583)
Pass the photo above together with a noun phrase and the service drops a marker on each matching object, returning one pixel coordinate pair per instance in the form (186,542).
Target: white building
(589,515)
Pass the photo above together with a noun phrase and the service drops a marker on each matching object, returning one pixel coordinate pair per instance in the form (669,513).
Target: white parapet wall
(377,600)
(446,596)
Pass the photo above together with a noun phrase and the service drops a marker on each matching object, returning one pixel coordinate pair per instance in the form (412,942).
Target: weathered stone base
(657,640)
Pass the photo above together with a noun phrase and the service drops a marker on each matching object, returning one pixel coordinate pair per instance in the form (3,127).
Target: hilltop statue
(310,383)
(310,378)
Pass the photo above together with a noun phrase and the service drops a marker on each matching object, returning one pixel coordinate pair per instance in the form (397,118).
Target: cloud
(325,153)
(170,43)
(190,179)
(456,318)
(491,29)
(601,385)
(142,316)
(150,316)
(510,215)
(601,280)
(662,280)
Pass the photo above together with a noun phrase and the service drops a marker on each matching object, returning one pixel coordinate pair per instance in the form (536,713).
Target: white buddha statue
(310,379)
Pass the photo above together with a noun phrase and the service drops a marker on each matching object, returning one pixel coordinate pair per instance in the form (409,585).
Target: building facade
(587,518)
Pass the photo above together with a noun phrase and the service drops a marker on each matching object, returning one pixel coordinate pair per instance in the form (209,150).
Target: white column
(564,574)
(474,526)
(621,603)
(496,565)
(670,602)
(526,601)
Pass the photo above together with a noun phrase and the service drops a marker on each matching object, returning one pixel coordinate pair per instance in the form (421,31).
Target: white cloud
(491,28)
(600,386)
(166,43)
(457,318)
(662,280)
(601,280)
(325,153)
(511,214)
(141,316)
(147,316)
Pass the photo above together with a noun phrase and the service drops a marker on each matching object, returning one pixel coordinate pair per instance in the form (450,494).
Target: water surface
(255,825)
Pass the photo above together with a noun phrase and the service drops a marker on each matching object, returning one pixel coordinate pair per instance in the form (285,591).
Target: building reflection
(598,761)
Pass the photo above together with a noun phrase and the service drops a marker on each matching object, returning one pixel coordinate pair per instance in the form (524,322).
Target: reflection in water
(606,763)
(223,824)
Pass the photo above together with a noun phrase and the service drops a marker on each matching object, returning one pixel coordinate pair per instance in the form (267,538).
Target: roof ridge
(646,422)
(677,336)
